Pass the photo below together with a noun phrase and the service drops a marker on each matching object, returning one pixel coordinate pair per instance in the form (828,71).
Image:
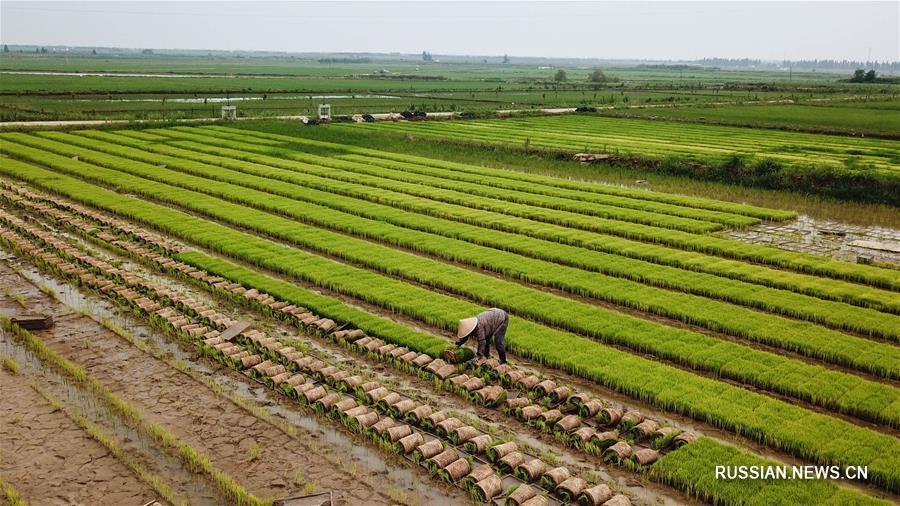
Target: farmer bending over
(488,325)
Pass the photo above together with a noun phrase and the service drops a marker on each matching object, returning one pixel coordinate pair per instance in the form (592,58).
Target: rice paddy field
(307,288)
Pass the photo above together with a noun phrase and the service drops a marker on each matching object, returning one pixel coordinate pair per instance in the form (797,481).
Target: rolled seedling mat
(398,432)
(630,419)
(434,365)
(430,422)
(428,450)
(455,471)
(362,342)
(448,425)
(376,394)
(398,352)
(281,378)
(495,453)
(511,378)
(441,460)
(582,436)
(663,436)
(364,421)
(445,371)
(381,426)
(560,394)
(549,418)
(473,384)
(462,434)
(341,406)
(595,496)
(610,416)
(531,470)
(568,423)
(590,408)
(305,387)
(408,357)
(510,462)
(337,377)
(521,494)
(478,444)
(544,388)
(515,403)
(325,403)
(554,477)
(386,349)
(488,488)
(618,500)
(373,345)
(570,489)
(456,355)
(477,474)
(419,414)
(684,438)
(530,412)
(643,430)
(645,457)
(528,383)
(617,453)
(252,360)
(326,372)
(353,411)
(314,394)
(538,500)
(459,379)
(500,370)
(409,443)
(422,360)
(605,439)
(400,408)
(490,396)
(577,399)
(387,401)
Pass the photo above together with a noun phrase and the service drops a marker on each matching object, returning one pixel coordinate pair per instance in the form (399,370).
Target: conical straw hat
(466,327)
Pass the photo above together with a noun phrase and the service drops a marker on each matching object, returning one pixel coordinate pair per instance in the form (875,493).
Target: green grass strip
(875,276)
(803,337)
(461,172)
(831,389)
(582,188)
(692,469)
(557,244)
(780,424)
(11,495)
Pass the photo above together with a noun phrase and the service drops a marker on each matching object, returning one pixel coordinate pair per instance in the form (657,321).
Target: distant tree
(858,76)
(426,56)
(43,50)
(597,76)
(147,51)
(870,76)
(94,52)
(560,76)
(5,48)
(506,58)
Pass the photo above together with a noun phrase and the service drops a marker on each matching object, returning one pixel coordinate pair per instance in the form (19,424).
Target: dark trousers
(499,339)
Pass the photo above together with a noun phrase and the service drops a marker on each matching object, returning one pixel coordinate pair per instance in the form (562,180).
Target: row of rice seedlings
(727,248)
(689,309)
(615,247)
(161,487)
(718,246)
(383,431)
(602,191)
(606,417)
(824,440)
(11,495)
(585,319)
(652,139)
(193,459)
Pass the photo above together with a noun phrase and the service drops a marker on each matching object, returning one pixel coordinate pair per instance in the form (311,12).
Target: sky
(654,30)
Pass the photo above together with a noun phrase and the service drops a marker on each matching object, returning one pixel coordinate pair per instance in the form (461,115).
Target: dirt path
(50,460)
(266,461)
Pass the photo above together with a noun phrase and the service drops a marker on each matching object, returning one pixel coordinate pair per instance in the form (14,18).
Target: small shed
(324,112)
(229,111)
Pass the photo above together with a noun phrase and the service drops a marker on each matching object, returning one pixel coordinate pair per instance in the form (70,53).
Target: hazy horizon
(667,30)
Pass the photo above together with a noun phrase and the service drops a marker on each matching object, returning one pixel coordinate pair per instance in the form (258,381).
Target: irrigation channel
(537,438)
